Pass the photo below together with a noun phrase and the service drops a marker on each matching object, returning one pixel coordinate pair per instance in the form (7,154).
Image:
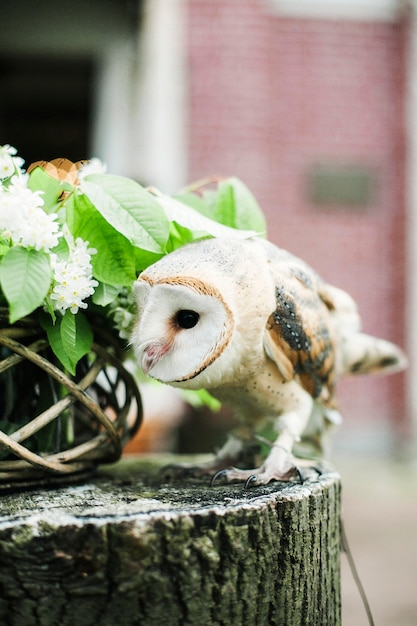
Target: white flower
(24,222)
(9,163)
(81,253)
(41,232)
(6,165)
(93,166)
(123,320)
(73,277)
(22,218)
(72,292)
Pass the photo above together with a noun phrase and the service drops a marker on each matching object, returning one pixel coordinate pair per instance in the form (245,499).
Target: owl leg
(280,464)
(235,450)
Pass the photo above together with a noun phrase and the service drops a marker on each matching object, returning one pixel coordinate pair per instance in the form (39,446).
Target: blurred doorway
(66,71)
(46,106)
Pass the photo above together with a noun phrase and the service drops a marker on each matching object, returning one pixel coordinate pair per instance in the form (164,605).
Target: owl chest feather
(263,394)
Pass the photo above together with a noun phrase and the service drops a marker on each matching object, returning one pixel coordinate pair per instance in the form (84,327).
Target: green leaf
(52,188)
(114,261)
(202,204)
(230,204)
(224,210)
(130,209)
(186,217)
(179,236)
(62,249)
(3,249)
(70,338)
(53,331)
(144,258)
(201,397)
(237,207)
(105,294)
(76,335)
(25,278)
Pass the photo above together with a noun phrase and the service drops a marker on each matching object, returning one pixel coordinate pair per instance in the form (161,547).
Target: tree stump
(124,549)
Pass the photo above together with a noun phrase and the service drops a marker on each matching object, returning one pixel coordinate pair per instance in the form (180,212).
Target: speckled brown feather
(299,334)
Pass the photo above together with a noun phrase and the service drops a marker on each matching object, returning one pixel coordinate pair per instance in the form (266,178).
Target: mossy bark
(123,549)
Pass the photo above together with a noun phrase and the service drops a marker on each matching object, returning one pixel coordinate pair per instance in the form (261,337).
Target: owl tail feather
(369,355)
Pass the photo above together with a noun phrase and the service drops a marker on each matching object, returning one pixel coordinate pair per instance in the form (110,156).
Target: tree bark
(125,549)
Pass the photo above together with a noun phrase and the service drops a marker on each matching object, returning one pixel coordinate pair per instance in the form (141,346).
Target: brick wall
(270,97)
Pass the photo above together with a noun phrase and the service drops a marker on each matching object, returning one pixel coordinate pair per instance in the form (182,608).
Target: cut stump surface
(126,549)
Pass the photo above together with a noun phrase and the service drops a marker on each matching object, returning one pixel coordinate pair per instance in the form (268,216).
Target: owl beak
(152,354)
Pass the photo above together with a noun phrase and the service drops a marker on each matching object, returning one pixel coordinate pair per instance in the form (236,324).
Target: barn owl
(259,329)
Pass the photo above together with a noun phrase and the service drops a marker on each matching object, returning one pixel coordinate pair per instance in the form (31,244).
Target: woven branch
(105,405)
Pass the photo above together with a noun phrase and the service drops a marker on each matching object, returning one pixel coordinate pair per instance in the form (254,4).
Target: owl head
(184,325)
(191,326)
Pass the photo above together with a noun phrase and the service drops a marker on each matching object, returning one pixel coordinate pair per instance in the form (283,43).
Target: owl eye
(186,318)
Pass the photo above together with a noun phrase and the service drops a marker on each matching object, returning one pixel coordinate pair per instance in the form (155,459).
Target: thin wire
(346,549)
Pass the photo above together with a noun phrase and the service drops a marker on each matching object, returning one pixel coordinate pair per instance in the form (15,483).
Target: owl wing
(298,335)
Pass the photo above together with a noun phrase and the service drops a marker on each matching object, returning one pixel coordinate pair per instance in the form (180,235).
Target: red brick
(269,97)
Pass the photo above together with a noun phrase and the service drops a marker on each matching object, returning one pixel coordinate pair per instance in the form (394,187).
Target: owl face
(184,325)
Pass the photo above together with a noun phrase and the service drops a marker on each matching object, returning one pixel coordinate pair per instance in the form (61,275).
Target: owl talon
(219,474)
(264,477)
(174,471)
(299,474)
(252,479)
(255,477)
